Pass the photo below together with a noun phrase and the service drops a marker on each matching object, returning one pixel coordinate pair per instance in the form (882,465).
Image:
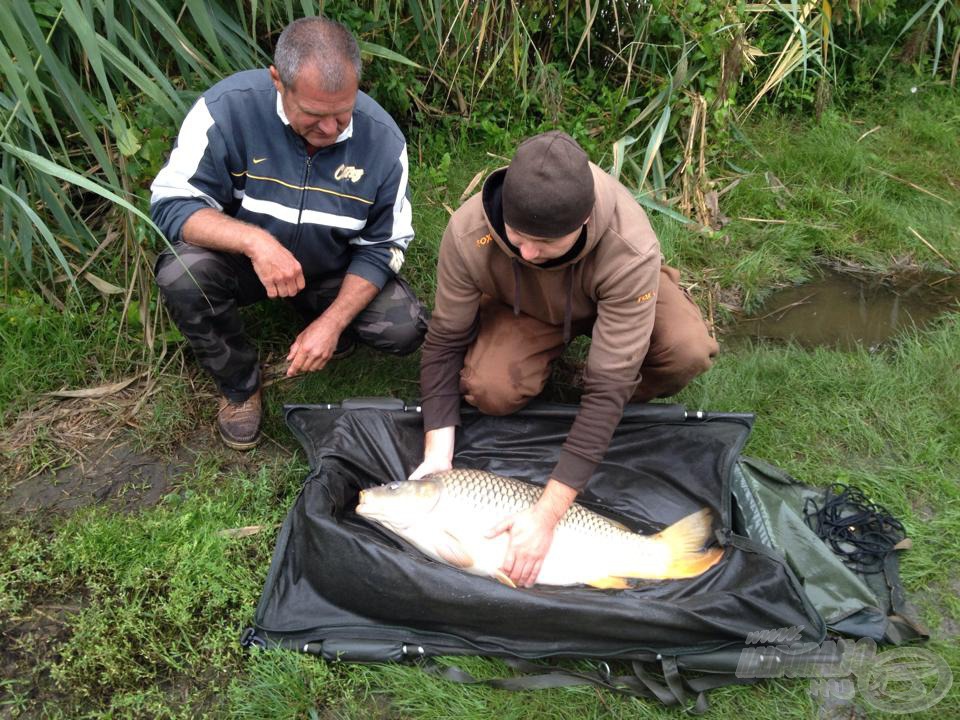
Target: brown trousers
(509,363)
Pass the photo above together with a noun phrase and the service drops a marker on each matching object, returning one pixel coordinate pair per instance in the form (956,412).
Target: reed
(92,91)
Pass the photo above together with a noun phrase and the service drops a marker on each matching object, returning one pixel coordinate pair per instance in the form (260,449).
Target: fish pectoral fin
(451,550)
(504,578)
(609,582)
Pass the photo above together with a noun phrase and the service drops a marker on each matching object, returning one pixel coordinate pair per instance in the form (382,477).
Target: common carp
(448,514)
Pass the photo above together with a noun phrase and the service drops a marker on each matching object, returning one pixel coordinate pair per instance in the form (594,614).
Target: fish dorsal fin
(501,576)
(451,550)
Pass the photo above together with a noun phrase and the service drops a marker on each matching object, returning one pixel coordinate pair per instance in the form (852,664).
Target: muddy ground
(88,456)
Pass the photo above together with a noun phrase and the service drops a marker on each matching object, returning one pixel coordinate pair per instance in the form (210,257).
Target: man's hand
(437,452)
(430,465)
(313,347)
(531,533)
(277,268)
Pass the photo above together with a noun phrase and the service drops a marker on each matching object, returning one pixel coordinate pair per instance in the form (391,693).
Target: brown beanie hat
(548,188)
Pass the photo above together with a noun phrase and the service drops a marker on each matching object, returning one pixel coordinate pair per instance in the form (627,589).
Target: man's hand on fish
(437,452)
(531,533)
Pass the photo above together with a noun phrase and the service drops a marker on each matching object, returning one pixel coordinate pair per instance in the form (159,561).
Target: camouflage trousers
(204,289)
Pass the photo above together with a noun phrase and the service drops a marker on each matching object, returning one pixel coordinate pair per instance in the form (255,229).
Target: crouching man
(552,248)
(287,183)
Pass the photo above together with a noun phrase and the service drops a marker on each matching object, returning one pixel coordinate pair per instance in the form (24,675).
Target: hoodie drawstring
(516,288)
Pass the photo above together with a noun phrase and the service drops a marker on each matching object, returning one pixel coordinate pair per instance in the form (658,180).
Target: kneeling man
(552,248)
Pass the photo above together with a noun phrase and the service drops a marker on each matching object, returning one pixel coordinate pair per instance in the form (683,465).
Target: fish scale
(472,485)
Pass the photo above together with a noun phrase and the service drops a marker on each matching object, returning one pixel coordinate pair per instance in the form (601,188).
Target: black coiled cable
(859,531)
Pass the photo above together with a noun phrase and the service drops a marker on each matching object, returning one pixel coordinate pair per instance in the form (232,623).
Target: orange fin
(685,540)
(609,582)
(504,578)
(451,550)
(695,564)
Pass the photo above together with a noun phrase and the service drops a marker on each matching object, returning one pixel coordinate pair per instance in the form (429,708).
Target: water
(843,309)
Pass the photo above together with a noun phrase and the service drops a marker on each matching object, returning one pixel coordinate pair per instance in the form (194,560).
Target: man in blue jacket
(287,183)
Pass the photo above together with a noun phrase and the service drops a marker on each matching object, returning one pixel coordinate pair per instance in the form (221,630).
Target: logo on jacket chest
(348,172)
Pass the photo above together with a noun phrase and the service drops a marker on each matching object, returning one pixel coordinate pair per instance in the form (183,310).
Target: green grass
(839,200)
(148,606)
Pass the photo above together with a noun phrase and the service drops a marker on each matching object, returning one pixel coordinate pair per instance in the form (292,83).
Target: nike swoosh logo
(257,161)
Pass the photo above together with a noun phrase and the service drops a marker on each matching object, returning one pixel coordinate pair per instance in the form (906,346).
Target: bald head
(325,48)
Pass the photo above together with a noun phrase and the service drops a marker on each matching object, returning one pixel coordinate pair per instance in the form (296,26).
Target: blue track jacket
(344,209)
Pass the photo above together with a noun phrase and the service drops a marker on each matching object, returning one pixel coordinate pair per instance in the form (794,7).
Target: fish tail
(684,541)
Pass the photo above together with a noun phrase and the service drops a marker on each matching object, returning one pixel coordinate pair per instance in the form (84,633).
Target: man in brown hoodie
(553,247)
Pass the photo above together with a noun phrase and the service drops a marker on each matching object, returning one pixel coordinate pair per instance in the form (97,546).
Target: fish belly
(455,533)
(575,559)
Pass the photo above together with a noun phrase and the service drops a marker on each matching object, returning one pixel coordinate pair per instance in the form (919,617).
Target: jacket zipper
(303,196)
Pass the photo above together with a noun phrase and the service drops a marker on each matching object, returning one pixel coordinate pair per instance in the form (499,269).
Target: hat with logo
(548,188)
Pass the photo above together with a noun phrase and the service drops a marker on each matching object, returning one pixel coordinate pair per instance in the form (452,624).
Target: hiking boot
(239,422)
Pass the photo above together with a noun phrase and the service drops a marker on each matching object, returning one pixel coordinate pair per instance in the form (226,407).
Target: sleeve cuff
(442,411)
(573,470)
(370,272)
(170,215)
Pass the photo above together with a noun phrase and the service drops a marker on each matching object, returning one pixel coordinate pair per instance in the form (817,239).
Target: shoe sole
(238,444)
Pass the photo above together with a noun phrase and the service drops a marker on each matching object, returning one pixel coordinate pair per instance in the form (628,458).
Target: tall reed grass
(91,93)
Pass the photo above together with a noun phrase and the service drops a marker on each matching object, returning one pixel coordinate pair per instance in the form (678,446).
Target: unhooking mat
(340,587)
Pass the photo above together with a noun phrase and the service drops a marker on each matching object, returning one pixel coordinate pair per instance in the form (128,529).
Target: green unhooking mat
(342,588)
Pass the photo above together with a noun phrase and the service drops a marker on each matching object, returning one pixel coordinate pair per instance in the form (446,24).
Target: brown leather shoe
(239,422)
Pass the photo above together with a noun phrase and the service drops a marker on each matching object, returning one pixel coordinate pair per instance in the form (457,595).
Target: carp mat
(342,588)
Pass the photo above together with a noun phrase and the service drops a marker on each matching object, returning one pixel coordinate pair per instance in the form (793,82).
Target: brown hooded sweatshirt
(610,284)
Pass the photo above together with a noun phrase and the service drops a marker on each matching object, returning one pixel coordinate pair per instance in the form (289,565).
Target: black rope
(859,531)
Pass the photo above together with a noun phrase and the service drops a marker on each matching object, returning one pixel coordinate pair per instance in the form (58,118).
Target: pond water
(846,309)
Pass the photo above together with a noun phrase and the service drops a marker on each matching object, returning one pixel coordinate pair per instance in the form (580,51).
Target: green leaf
(619,153)
(128,140)
(133,314)
(369,48)
(15,37)
(156,85)
(653,146)
(87,36)
(651,204)
(204,22)
(49,167)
